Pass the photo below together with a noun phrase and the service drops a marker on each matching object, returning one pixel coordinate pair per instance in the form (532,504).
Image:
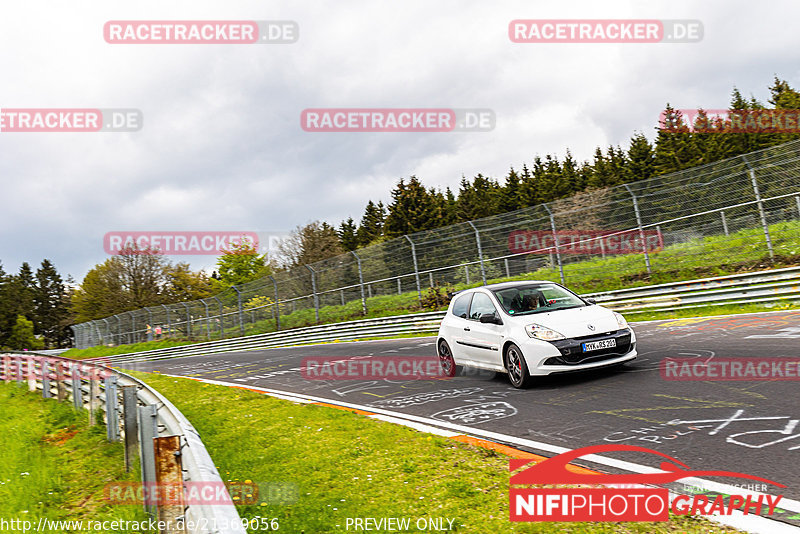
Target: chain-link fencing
(743,210)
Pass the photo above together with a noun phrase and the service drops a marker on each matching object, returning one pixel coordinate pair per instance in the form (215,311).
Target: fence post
(188,321)
(555,240)
(93,403)
(208,320)
(508,271)
(466,273)
(641,230)
(167,452)
(108,331)
(797,199)
(132,336)
(277,305)
(150,322)
(480,251)
(77,391)
(119,329)
(724,222)
(112,416)
(314,290)
(360,282)
(129,405)
(221,319)
(148,431)
(239,304)
(416,268)
(761,213)
(399,286)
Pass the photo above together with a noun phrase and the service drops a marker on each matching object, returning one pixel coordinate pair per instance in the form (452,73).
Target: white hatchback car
(531,328)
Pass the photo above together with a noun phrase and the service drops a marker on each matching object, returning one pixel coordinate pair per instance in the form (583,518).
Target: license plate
(597,345)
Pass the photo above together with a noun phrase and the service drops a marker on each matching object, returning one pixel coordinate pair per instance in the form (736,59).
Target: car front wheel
(516,367)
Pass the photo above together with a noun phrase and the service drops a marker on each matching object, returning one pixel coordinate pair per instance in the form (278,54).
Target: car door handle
(466,328)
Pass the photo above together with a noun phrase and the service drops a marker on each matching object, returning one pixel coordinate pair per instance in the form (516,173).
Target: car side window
(481,303)
(461,305)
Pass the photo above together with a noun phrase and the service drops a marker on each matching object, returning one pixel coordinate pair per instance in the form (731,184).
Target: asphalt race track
(748,427)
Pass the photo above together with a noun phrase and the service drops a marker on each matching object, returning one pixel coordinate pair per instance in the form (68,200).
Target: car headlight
(621,320)
(542,332)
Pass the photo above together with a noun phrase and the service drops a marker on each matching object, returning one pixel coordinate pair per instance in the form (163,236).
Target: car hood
(573,322)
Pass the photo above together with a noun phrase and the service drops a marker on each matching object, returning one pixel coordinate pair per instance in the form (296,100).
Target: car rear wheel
(516,367)
(446,359)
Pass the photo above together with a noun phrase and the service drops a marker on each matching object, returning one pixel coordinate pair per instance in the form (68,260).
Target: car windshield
(536,298)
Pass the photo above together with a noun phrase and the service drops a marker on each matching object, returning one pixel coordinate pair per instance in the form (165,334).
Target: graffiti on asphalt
(476,413)
(756,439)
(424,398)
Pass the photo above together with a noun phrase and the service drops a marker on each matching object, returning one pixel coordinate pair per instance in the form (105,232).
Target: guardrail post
(112,416)
(77,391)
(167,451)
(32,373)
(239,305)
(416,268)
(508,271)
(93,402)
(797,199)
(760,204)
(639,225)
(399,287)
(45,378)
(361,282)
(480,251)
(130,426)
(148,431)
(341,292)
(724,222)
(61,387)
(276,306)
(558,246)
(188,321)
(7,368)
(314,290)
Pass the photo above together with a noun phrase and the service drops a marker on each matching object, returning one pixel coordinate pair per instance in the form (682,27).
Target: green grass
(742,251)
(54,465)
(346,465)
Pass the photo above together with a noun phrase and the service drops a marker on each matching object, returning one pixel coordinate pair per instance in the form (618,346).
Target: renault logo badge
(591,327)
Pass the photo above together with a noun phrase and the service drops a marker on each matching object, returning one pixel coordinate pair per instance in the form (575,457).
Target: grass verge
(54,465)
(340,464)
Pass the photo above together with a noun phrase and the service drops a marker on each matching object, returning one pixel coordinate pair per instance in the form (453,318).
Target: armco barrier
(756,287)
(143,418)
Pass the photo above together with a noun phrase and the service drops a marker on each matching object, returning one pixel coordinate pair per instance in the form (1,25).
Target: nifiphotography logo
(625,497)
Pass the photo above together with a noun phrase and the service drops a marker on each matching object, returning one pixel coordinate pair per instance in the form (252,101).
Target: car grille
(572,353)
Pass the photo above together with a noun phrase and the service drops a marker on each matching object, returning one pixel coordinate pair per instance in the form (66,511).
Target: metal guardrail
(167,445)
(756,287)
(746,288)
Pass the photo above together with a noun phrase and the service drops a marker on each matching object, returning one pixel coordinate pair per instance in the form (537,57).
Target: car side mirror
(491,318)
(591,301)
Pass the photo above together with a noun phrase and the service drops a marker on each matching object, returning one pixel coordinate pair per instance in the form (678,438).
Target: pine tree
(347,234)
(412,209)
(641,158)
(50,311)
(372,223)
(509,199)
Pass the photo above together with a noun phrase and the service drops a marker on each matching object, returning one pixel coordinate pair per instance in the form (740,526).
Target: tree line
(415,207)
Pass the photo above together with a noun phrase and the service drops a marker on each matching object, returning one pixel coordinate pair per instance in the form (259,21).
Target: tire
(446,360)
(517,368)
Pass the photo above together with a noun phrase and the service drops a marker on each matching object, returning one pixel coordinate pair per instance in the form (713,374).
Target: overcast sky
(222,149)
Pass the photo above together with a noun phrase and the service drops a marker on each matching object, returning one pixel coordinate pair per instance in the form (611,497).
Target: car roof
(506,285)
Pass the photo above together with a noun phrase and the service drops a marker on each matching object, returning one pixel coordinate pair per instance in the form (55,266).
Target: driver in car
(530,302)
